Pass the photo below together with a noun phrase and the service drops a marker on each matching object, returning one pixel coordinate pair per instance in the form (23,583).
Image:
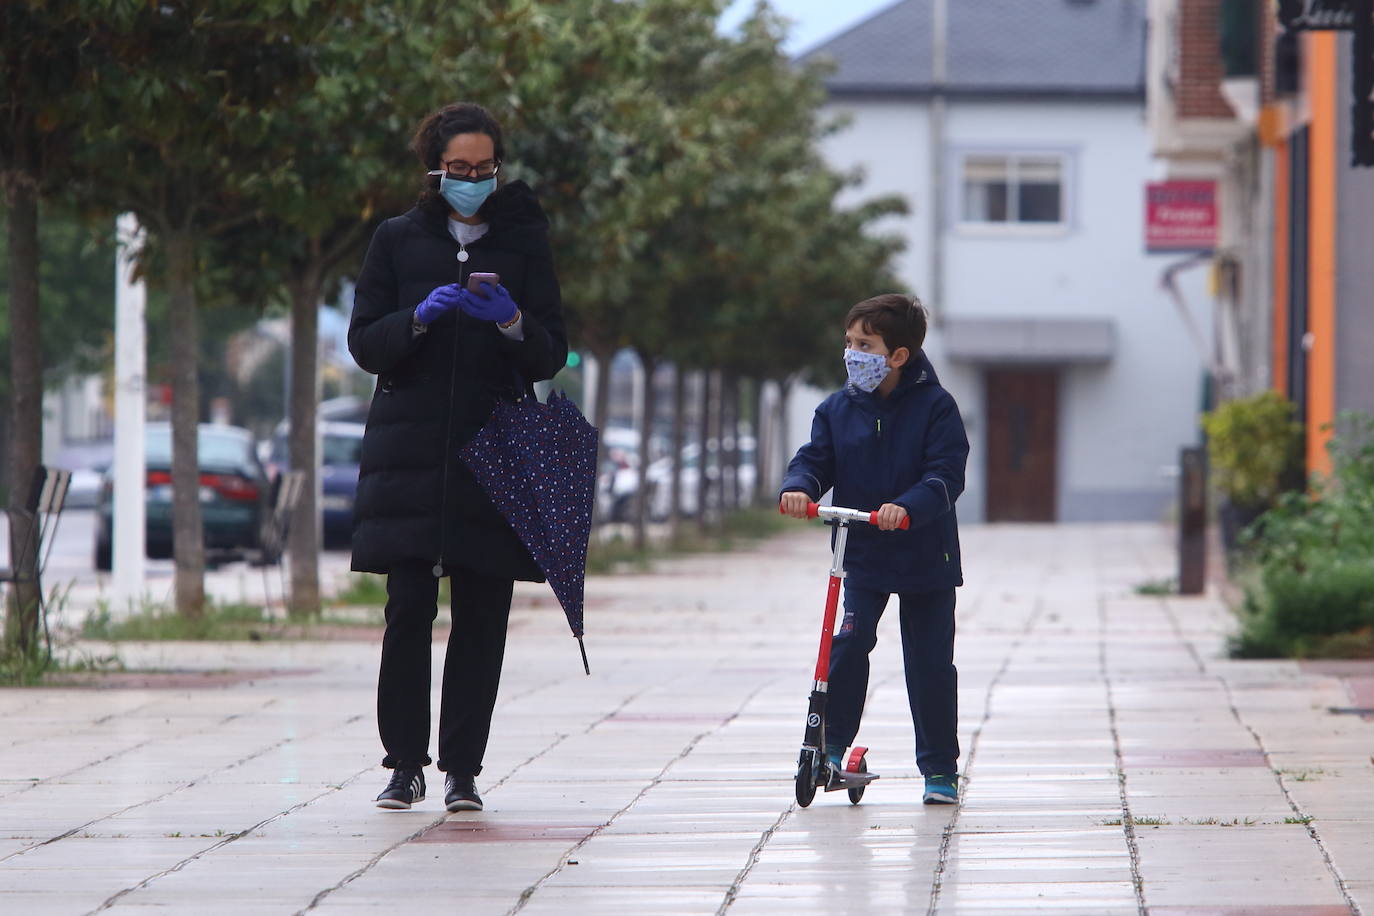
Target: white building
(1019,140)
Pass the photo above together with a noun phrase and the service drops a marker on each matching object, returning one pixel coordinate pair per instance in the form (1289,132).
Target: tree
(180,130)
(41,57)
(349,141)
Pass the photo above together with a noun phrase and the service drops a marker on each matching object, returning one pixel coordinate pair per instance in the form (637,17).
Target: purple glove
(440,300)
(494,304)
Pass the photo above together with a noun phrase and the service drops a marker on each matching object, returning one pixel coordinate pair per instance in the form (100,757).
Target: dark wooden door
(1023,424)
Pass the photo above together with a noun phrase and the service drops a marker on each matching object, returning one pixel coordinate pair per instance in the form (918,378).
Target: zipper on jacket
(880,427)
(448,427)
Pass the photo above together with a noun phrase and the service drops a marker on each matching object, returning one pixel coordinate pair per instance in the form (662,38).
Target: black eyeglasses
(465,171)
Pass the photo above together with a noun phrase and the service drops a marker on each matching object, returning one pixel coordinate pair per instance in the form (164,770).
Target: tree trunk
(704,454)
(711,488)
(784,427)
(646,431)
(729,441)
(188,532)
(763,445)
(679,437)
(601,405)
(303,537)
(26,408)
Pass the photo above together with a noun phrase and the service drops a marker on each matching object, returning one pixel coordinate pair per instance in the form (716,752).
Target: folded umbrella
(537,463)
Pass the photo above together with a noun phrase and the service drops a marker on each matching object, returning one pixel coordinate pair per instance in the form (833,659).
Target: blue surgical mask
(866,370)
(466,197)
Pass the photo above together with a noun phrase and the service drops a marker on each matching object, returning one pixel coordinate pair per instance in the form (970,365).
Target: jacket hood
(916,373)
(512,211)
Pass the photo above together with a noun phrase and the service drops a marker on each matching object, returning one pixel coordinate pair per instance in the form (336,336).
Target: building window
(1010,189)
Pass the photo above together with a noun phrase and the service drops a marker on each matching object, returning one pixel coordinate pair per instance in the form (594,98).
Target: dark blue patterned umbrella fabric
(537,463)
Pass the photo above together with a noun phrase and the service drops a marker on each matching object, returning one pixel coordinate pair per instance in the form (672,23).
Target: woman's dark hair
(435,132)
(899,320)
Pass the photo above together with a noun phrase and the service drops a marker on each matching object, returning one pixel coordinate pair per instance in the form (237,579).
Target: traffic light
(574,359)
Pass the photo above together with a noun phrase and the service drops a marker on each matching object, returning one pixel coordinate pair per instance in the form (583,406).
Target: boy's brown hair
(899,320)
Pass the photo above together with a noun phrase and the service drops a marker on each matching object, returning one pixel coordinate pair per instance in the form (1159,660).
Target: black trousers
(472,667)
(932,682)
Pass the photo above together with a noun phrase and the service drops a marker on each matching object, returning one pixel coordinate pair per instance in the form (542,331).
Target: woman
(442,355)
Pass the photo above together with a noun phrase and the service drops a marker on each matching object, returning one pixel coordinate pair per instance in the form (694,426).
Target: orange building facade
(1272,99)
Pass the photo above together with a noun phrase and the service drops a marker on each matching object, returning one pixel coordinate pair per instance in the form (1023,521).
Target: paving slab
(1115,762)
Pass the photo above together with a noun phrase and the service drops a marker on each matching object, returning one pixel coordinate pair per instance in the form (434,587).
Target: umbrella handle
(583,649)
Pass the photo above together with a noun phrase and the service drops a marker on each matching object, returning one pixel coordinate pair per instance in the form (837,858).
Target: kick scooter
(813,769)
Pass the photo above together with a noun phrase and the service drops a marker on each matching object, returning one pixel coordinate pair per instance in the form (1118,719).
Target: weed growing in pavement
(1217,822)
(1303,775)
(1144,821)
(1157,587)
(1304,819)
(30,667)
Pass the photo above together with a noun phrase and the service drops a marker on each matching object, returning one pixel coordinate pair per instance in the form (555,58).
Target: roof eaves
(926,90)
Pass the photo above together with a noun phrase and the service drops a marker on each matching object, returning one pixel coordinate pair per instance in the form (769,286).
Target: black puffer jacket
(416,500)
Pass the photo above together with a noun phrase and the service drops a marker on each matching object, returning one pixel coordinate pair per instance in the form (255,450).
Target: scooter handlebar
(815,510)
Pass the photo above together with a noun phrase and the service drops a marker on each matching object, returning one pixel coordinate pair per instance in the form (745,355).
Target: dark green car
(233,496)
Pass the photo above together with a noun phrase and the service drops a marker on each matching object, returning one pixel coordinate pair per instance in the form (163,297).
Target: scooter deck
(847,779)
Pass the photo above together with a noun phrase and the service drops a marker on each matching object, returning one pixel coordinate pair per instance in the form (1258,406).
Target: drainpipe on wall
(939,16)
(1168,281)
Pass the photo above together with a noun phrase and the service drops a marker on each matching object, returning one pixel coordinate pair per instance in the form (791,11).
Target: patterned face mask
(866,370)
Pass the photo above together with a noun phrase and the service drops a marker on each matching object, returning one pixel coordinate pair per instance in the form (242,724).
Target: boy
(892,439)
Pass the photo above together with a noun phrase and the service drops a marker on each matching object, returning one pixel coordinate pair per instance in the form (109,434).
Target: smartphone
(475,281)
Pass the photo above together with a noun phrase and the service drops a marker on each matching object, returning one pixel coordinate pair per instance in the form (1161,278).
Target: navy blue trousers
(472,667)
(932,681)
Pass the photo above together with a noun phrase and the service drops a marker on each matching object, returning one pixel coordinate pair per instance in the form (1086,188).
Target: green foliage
(1253,444)
(1310,583)
(1157,587)
(76,294)
(230,621)
(738,529)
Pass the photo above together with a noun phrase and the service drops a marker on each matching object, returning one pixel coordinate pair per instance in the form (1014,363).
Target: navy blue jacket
(908,448)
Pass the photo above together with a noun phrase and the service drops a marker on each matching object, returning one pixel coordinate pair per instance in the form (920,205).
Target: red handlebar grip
(812,509)
(873,520)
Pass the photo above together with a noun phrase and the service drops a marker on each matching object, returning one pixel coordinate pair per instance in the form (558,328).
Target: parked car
(618,480)
(618,477)
(88,462)
(233,494)
(341,445)
(660,477)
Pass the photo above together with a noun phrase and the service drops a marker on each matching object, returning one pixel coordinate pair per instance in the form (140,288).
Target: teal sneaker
(834,757)
(942,790)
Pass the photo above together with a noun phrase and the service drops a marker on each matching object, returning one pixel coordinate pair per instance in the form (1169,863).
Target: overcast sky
(813,21)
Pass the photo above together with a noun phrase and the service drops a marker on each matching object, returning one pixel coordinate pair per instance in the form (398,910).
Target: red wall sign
(1180,215)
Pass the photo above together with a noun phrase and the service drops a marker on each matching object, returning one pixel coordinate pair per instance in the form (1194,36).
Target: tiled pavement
(1116,763)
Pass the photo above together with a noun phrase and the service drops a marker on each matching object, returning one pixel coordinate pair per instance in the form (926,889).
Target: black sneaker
(460,794)
(405,789)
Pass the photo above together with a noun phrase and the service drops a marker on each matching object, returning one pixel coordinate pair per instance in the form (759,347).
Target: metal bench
(40,515)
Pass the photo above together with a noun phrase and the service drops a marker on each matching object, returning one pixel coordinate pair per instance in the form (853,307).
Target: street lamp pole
(127,529)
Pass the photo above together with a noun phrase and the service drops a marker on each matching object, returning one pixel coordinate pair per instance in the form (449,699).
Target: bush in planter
(1254,450)
(1298,613)
(1309,583)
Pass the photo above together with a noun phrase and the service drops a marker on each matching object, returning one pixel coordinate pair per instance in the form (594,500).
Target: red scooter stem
(832,603)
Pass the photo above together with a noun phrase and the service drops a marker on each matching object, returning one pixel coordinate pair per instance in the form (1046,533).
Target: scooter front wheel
(806,779)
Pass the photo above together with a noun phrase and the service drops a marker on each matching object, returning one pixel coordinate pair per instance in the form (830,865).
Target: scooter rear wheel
(857,794)
(806,781)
